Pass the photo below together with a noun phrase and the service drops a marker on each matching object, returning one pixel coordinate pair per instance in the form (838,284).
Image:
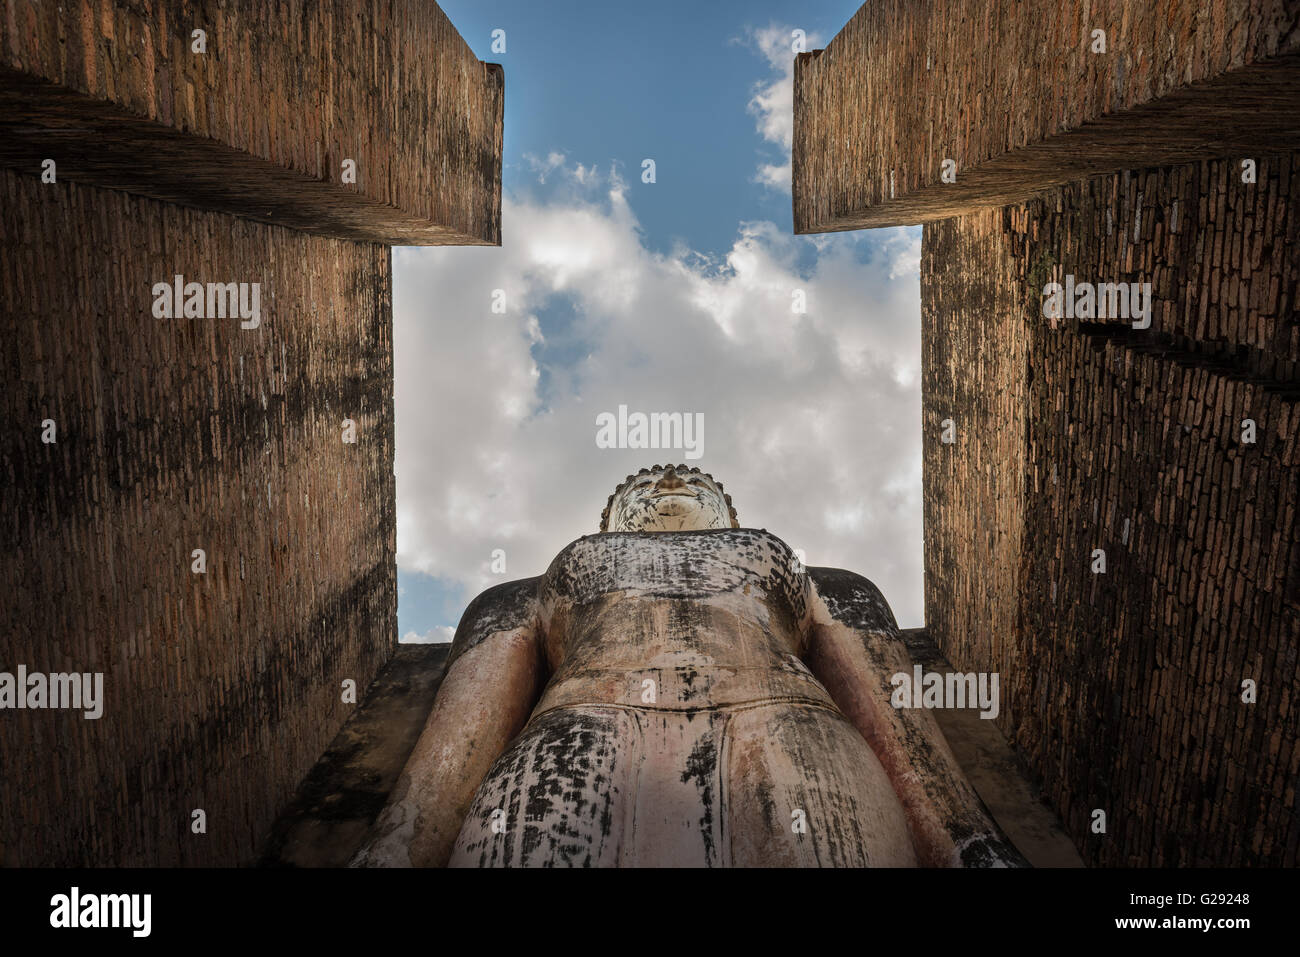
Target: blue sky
(671,296)
(621,81)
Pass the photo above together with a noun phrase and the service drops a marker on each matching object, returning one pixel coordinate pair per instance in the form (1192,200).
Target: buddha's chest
(735,567)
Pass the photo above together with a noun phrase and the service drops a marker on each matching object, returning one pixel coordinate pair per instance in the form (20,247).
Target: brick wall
(174,434)
(973,380)
(1123,689)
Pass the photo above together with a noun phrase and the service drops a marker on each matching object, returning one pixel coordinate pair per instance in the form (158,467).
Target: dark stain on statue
(702,769)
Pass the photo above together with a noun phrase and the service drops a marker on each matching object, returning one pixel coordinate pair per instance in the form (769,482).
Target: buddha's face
(666,500)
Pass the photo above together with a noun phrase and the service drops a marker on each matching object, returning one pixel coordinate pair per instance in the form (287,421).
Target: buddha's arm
(495,673)
(854,651)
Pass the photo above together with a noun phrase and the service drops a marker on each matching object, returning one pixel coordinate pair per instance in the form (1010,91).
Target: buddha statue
(679,691)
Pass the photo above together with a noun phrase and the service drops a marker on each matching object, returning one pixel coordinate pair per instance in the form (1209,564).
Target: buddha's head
(671,498)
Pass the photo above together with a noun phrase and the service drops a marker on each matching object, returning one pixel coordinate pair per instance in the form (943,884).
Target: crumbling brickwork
(1123,689)
(221,688)
(1019,97)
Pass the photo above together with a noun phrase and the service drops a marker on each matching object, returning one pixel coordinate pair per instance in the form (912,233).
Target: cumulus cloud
(438,635)
(544,166)
(812,420)
(772,102)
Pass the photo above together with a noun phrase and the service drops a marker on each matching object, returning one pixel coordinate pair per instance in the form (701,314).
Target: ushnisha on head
(671,498)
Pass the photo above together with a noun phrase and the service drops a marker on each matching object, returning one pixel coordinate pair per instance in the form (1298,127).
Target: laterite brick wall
(1123,690)
(973,388)
(175,434)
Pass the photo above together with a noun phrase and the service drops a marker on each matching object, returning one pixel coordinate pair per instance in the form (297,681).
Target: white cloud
(812,421)
(544,167)
(774,176)
(772,102)
(438,635)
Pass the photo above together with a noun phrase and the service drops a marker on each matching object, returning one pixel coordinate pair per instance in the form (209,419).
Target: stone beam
(1015,96)
(260,123)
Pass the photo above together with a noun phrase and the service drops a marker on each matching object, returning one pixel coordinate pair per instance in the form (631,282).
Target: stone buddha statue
(679,691)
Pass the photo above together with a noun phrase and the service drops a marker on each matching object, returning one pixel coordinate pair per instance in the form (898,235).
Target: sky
(678,295)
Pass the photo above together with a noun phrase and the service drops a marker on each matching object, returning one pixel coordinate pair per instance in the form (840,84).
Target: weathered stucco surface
(691,697)
(337,803)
